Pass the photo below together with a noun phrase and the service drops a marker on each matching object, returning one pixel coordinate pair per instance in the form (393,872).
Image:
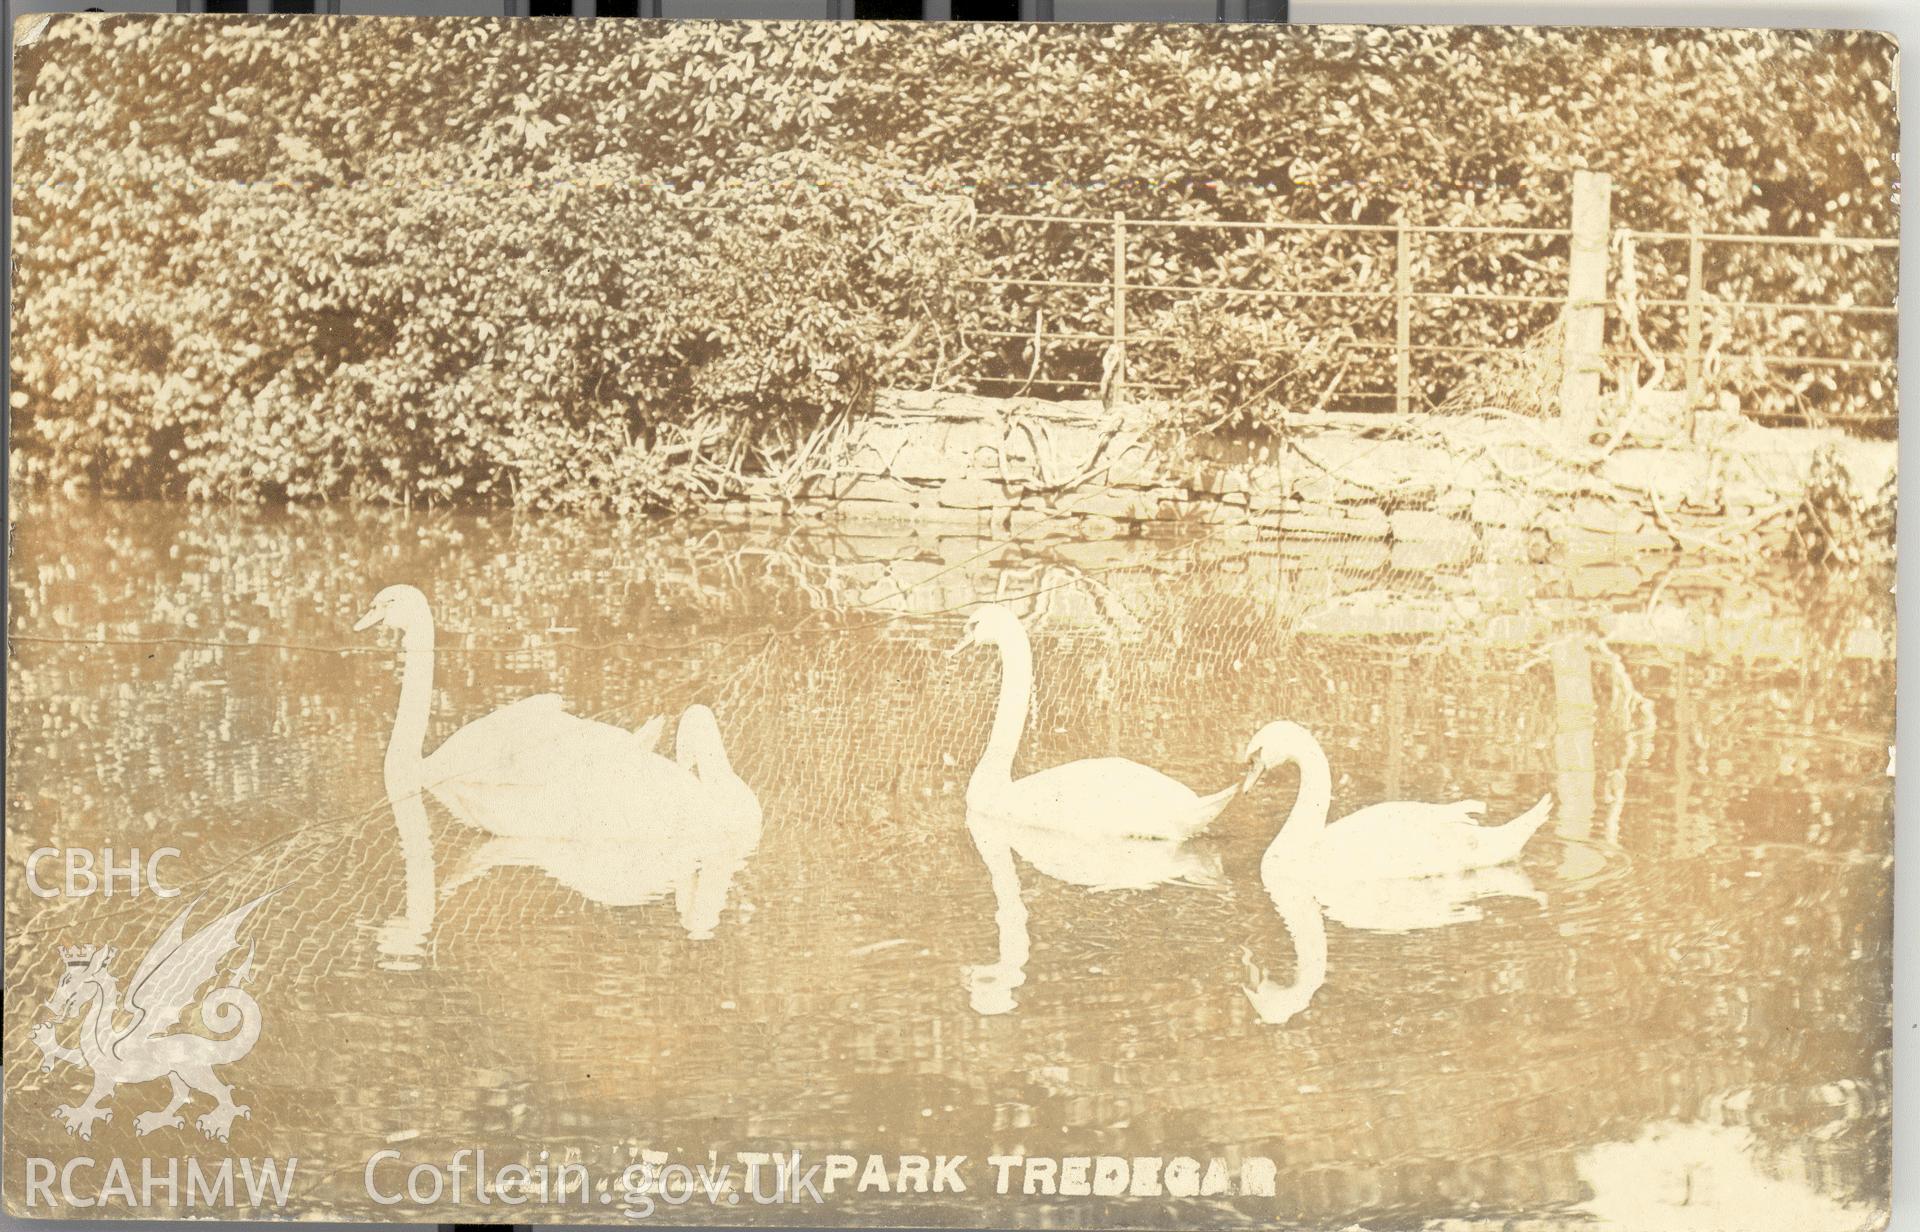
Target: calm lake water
(1682,996)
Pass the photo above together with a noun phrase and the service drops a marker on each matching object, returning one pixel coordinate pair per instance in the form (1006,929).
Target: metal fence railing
(1699,308)
(1122,288)
(1573,276)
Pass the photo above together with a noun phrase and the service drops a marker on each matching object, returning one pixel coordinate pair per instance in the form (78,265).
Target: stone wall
(1426,489)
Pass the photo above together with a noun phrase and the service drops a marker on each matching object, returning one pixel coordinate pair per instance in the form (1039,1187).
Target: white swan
(647,735)
(695,864)
(529,769)
(1396,840)
(1104,796)
(698,750)
(1393,867)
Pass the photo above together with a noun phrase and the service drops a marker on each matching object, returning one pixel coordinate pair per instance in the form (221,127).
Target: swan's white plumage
(1393,867)
(513,744)
(698,841)
(529,769)
(698,748)
(1397,840)
(648,733)
(1111,797)
(1108,797)
(1405,839)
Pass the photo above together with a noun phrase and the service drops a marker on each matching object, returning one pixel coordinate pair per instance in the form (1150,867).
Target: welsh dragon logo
(148,1047)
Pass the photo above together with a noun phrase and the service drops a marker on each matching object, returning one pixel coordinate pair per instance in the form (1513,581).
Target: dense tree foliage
(627,263)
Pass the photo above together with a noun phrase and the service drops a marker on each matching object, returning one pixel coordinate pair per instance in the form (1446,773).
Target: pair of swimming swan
(590,802)
(1112,797)
(1111,823)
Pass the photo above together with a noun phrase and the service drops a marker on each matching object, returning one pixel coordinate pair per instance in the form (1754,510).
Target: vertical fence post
(1117,380)
(1574,716)
(1695,310)
(1396,725)
(1402,318)
(1586,312)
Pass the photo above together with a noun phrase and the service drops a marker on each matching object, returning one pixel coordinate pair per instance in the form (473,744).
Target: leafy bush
(641,264)
(1837,526)
(1231,370)
(553,346)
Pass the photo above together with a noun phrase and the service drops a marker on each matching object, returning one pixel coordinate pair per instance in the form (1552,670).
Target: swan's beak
(366,622)
(1256,766)
(964,642)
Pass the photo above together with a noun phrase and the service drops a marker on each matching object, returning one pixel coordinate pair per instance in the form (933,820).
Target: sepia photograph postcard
(950,625)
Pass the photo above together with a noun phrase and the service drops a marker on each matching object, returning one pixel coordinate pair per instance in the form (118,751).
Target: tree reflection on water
(1713,948)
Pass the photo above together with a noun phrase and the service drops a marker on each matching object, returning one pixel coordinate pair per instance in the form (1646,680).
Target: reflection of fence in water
(844,713)
(841,710)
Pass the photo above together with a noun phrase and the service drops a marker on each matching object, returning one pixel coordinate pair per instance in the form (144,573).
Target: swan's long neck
(700,750)
(1010,713)
(1308,819)
(405,747)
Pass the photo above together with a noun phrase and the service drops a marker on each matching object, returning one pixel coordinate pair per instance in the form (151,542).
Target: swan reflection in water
(695,860)
(695,868)
(1388,906)
(592,804)
(1396,867)
(1104,823)
(1096,862)
(716,828)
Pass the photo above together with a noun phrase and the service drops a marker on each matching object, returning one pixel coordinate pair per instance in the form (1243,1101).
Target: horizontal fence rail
(1698,305)
(1579,268)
